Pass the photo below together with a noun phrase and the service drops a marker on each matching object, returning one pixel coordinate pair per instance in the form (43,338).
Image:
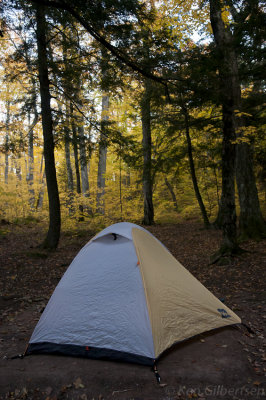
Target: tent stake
(155,370)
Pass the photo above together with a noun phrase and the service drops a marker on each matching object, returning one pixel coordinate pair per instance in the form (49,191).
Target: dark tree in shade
(193,171)
(148,218)
(53,234)
(229,88)
(251,222)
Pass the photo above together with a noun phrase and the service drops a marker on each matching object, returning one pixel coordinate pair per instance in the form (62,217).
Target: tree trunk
(76,157)
(230,94)
(147,164)
(193,172)
(70,182)
(126,178)
(83,162)
(39,202)
(251,222)
(217,224)
(171,190)
(29,176)
(7,141)
(18,160)
(53,234)
(84,169)
(100,206)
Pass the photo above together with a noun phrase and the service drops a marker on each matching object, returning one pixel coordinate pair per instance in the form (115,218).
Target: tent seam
(145,289)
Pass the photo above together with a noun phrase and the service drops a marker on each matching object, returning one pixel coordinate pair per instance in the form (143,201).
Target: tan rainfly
(179,306)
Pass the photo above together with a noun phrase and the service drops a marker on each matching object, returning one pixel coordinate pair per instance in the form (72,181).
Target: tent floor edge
(95,353)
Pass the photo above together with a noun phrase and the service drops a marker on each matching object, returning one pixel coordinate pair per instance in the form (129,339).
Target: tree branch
(61,4)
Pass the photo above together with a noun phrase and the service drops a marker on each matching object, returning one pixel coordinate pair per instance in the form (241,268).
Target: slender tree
(83,161)
(148,218)
(7,123)
(193,171)
(171,190)
(67,140)
(76,158)
(100,205)
(53,235)
(102,155)
(32,124)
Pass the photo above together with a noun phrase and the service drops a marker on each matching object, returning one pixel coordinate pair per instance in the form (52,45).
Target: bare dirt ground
(223,364)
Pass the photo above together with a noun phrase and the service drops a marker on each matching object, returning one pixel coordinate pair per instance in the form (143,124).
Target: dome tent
(125,297)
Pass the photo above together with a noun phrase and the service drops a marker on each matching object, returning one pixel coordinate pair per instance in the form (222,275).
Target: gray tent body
(125,297)
(98,308)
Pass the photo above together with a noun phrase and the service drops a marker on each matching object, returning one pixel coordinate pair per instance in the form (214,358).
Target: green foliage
(158,40)
(3,233)
(28,220)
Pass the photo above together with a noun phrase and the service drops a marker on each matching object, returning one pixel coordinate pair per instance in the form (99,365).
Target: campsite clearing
(225,363)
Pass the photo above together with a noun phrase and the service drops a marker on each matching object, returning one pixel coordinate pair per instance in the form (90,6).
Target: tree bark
(217,224)
(70,181)
(76,157)
(39,202)
(171,190)
(7,141)
(100,205)
(53,235)
(193,172)
(251,222)
(83,162)
(30,176)
(229,88)
(67,140)
(18,159)
(148,218)
(84,167)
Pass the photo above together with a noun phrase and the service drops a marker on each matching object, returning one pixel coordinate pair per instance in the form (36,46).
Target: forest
(143,111)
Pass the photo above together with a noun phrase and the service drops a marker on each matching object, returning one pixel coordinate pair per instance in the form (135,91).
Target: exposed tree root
(225,255)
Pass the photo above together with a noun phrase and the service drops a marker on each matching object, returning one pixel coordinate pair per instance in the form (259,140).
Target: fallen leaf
(24,391)
(120,391)
(48,390)
(78,384)
(65,388)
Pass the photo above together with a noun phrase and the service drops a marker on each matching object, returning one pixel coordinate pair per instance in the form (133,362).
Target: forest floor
(223,364)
